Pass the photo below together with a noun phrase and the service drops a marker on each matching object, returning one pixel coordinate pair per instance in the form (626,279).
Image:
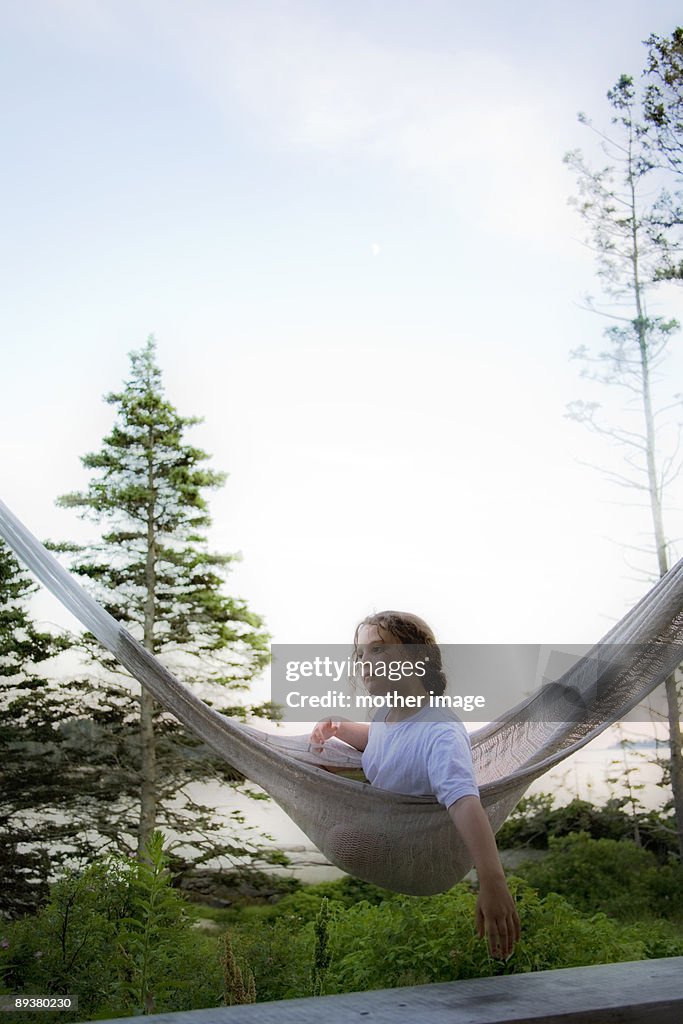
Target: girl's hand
(323,731)
(497,918)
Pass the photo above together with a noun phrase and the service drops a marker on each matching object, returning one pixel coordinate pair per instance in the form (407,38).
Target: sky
(347,227)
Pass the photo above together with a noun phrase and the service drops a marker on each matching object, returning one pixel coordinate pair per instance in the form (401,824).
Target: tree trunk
(655,494)
(676,750)
(672,700)
(148,788)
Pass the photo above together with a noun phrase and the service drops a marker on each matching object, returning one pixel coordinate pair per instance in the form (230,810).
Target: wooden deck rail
(641,991)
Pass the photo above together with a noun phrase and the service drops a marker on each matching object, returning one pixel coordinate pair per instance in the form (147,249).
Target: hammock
(404,843)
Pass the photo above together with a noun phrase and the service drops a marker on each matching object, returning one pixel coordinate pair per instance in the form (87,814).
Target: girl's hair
(407,628)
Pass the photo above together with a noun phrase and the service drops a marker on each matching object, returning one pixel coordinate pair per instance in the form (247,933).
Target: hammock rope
(407,844)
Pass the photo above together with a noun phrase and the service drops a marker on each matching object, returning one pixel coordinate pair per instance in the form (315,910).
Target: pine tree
(153,572)
(31,746)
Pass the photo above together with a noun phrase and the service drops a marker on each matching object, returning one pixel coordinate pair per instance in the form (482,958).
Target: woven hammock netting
(408,844)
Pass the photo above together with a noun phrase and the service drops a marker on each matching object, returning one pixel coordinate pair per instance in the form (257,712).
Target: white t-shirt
(428,754)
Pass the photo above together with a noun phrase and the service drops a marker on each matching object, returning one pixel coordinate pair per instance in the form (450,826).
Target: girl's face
(387,665)
(375,645)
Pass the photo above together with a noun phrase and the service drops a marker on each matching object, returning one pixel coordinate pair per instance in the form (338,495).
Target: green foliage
(152,568)
(22,644)
(433,939)
(617,878)
(34,748)
(345,892)
(121,937)
(536,819)
(279,953)
(663,112)
(528,824)
(408,940)
(118,936)
(321,951)
(66,947)
(235,991)
(156,922)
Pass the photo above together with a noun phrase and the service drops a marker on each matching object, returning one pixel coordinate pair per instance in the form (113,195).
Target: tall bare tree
(621,205)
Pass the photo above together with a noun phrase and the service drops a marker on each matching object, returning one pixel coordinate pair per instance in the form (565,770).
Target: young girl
(417,750)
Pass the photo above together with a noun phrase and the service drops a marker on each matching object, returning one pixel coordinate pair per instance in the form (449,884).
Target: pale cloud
(90,24)
(472,124)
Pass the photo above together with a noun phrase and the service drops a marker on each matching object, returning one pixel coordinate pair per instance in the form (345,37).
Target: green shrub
(346,891)
(321,950)
(120,937)
(66,947)
(409,940)
(279,954)
(117,935)
(416,941)
(528,824)
(666,891)
(536,820)
(659,938)
(617,878)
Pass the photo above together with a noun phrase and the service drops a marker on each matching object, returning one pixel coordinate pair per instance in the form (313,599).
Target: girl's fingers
(517,927)
(322,731)
(499,939)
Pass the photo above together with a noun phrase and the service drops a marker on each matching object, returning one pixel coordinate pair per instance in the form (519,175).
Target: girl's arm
(354,733)
(497,916)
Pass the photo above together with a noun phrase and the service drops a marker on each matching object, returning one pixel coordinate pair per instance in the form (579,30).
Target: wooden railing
(642,992)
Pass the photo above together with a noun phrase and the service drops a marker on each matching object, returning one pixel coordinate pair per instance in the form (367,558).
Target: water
(598,773)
